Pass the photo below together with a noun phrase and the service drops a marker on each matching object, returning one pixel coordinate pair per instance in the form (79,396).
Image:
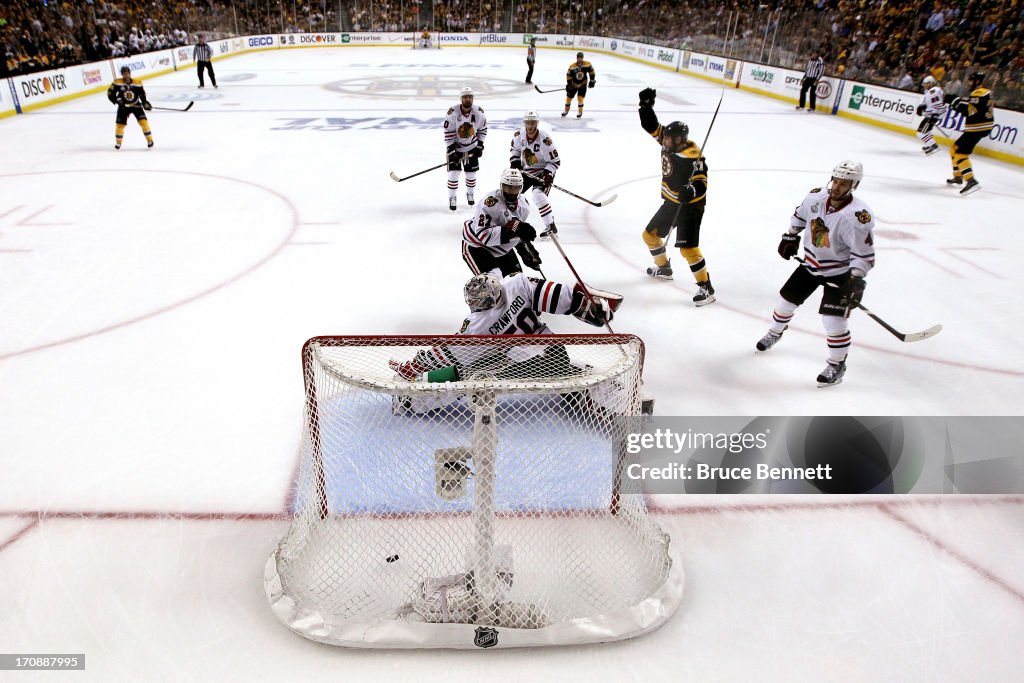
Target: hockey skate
(661,272)
(955,180)
(451,203)
(547,232)
(769,340)
(149,144)
(832,374)
(930,149)
(579,115)
(469,199)
(117,145)
(705,294)
(565,113)
(971,187)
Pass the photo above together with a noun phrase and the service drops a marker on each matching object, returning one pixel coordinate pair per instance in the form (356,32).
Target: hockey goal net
(488,510)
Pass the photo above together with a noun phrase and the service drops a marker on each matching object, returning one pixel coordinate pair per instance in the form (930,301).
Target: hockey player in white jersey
(534,153)
(465,129)
(511,306)
(932,108)
(838,250)
(497,227)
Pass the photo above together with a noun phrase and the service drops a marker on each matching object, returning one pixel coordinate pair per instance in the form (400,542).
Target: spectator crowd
(886,42)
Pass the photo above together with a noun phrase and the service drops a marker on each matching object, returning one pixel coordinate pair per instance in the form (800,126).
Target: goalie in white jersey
(838,252)
(465,129)
(533,152)
(497,227)
(932,107)
(511,306)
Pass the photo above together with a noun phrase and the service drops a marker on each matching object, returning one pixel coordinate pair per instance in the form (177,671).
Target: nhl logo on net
(485,637)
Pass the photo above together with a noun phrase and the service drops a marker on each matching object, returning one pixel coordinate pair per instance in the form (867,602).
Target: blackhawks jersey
(523,300)
(465,130)
(577,74)
(977,109)
(934,102)
(483,230)
(538,153)
(126,94)
(678,168)
(838,240)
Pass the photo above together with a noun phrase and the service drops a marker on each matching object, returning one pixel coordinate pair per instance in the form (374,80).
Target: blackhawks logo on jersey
(863,216)
(465,326)
(490,201)
(819,233)
(466,130)
(547,142)
(530,157)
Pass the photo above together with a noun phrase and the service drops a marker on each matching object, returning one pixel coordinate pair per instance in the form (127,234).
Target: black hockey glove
(477,151)
(569,89)
(453,154)
(147,106)
(529,254)
(920,110)
(647,96)
(686,193)
(854,290)
(593,84)
(516,163)
(517,228)
(789,245)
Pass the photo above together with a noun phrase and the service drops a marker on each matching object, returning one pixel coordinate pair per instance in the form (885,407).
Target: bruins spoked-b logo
(819,233)
(129,96)
(485,637)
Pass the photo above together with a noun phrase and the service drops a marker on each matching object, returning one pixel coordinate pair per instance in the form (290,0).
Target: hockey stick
(675,220)
(902,336)
(426,170)
(187,107)
(544,92)
(606,202)
(583,286)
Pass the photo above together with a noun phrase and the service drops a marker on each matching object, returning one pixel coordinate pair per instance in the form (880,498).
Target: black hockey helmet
(126,68)
(676,129)
(976,78)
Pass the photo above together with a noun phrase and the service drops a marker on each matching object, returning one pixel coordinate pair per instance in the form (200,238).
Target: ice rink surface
(155,301)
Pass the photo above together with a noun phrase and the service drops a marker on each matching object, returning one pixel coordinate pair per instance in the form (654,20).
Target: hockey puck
(391,558)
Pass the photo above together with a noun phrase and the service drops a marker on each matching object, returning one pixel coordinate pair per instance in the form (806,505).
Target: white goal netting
(485,510)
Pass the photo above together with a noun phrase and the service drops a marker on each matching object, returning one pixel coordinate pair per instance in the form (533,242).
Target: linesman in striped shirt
(203,57)
(812,74)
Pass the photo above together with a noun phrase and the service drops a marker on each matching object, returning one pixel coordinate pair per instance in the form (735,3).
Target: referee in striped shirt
(203,56)
(815,69)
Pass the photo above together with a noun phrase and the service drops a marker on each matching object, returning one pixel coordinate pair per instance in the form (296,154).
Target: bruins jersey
(977,110)
(126,94)
(680,168)
(578,74)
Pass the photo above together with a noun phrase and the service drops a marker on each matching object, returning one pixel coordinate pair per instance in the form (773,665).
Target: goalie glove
(593,310)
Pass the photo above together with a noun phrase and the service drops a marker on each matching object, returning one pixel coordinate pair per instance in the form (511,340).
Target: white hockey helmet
(466,92)
(483,292)
(847,170)
(511,186)
(531,116)
(929,82)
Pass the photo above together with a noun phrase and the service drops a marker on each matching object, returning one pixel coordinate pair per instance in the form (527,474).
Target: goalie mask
(483,292)
(511,186)
(849,173)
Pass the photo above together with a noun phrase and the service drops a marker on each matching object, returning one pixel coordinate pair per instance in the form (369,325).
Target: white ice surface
(154,303)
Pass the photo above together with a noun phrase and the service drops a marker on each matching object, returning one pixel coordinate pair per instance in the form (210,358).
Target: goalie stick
(187,107)
(606,202)
(426,170)
(902,336)
(544,92)
(614,300)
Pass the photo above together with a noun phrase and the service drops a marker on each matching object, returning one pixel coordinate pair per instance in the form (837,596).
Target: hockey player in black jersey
(130,98)
(978,123)
(578,77)
(684,186)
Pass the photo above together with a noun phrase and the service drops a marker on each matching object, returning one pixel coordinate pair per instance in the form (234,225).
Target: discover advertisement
(45,87)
